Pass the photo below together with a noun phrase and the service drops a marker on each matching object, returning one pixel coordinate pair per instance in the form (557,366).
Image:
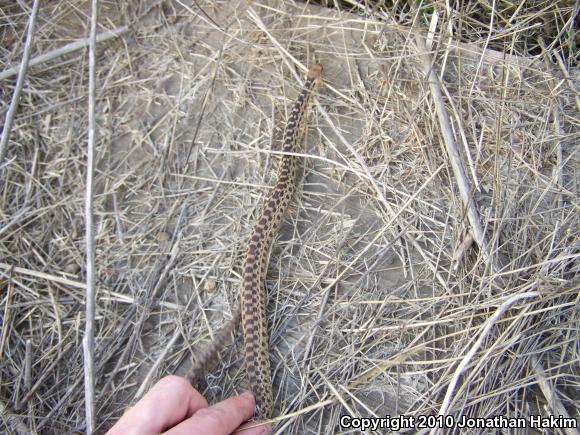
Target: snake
(253,299)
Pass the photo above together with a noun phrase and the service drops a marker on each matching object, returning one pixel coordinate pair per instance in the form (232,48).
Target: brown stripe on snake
(253,291)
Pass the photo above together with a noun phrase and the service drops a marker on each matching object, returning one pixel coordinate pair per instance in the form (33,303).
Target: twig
(6,327)
(559,154)
(28,366)
(41,380)
(256,18)
(89,337)
(452,151)
(153,369)
(65,49)
(70,391)
(555,406)
(45,276)
(560,180)
(461,250)
(462,367)
(19,82)
(569,81)
(461,132)
(159,278)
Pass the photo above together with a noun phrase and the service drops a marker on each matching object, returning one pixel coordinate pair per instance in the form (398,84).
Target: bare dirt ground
(429,263)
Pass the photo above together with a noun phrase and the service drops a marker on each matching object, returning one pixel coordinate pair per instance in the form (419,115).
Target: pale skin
(174,407)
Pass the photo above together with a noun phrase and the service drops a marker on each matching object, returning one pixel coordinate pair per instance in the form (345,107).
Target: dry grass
(384,300)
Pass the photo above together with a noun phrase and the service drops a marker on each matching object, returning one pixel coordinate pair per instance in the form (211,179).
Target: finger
(220,419)
(254,428)
(170,401)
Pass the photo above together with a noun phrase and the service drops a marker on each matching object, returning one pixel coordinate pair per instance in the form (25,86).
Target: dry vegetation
(385,298)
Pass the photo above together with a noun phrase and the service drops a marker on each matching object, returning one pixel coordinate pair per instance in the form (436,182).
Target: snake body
(253,291)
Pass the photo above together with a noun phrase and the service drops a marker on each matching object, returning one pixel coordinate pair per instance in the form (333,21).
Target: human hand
(174,407)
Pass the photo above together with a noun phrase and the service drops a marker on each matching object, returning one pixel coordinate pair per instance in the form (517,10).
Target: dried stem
(9,118)
(90,298)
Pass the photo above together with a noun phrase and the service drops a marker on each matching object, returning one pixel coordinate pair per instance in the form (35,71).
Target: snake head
(315,72)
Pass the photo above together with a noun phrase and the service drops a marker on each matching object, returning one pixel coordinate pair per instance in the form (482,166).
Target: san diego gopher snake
(253,292)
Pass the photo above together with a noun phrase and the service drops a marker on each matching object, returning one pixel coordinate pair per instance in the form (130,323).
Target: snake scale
(253,291)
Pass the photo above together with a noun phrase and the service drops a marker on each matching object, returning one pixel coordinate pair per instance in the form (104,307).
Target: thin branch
(462,367)
(156,364)
(19,82)
(65,49)
(89,337)
(555,405)
(453,152)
